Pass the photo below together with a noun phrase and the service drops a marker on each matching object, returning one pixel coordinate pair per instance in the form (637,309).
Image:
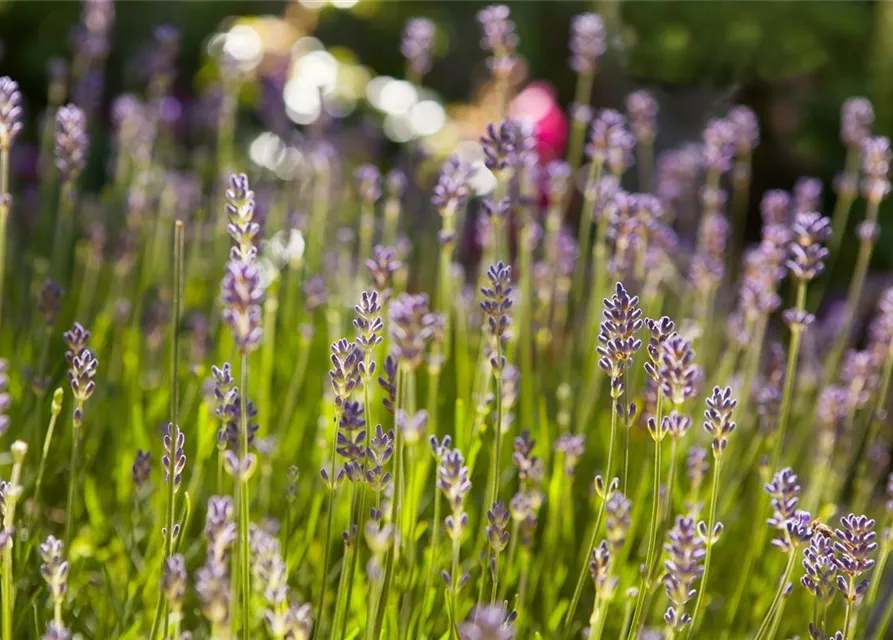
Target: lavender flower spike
(587,43)
(71,141)
(418,41)
(10,112)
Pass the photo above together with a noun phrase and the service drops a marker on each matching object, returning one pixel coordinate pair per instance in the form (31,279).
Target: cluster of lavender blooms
(556,378)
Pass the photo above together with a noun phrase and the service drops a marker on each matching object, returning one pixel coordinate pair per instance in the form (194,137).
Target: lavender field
(509,372)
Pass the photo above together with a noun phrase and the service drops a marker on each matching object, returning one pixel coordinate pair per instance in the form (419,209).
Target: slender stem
(9,525)
(652,537)
(711,522)
(849,607)
(584,233)
(320,613)
(72,472)
(790,373)
(779,594)
(454,587)
(244,512)
(854,293)
(497,429)
(435,546)
(582,94)
(881,631)
(581,579)
(55,409)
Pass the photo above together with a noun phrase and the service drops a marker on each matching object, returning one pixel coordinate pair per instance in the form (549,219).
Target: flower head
(622,319)
(807,255)
(610,142)
(71,141)
(10,112)
(417,43)
(587,42)
(876,157)
(452,190)
(641,107)
(718,418)
(856,118)
(684,565)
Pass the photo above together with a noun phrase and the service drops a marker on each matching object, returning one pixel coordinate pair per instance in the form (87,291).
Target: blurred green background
(794,62)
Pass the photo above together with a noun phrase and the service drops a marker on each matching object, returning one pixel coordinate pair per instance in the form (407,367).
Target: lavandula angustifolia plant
(368,179)
(496,305)
(450,196)
(500,40)
(368,325)
(587,44)
(600,565)
(876,157)
(416,46)
(610,144)
(502,146)
(344,377)
(805,263)
(71,157)
(498,537)
(55,570)
(746,138)
(718,424)
(10,492)
(351,445)
(684,565)
(174,459)
(82,366)
(856,120)
(488,622)
(242,291)
(212,580)
(622,319)
(854,543)
(641,107)
(617,335)
(795,530)
(453,481)
(820,570)
(10,127)
(173,585)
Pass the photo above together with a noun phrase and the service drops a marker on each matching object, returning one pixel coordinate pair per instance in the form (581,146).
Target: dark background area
(793,62)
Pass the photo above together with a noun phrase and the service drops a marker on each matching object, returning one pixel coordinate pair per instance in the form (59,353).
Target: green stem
(244,511)
(711,522)
(73,473)
(790,373)
(849,608)
(497,429)
(652,537)
(857,282)
(56,408)
(581,579)
(770,614)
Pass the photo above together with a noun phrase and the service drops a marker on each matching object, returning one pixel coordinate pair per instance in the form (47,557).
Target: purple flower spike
(807,254)
(418,40)
(642,110)
(587,43)
(856,118)
(71,141)
(10,112)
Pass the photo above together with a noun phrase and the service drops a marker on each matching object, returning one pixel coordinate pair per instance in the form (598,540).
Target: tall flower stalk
(82,367)
(242,293)
(10,127)
(718,423)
